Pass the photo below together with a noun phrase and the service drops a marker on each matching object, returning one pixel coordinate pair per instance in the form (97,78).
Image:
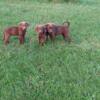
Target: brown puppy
(41,30)
(55,30)
(19,31)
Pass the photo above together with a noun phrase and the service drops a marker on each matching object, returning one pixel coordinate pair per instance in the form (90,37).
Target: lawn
(56,71)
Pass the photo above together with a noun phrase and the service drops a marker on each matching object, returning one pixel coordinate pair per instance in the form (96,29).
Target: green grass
(56,71)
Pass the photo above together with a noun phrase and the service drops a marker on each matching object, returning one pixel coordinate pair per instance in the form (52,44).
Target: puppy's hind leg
(6,38)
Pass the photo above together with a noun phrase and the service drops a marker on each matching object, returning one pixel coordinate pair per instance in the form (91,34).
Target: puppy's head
(40,28)
(23,25)
(50,27)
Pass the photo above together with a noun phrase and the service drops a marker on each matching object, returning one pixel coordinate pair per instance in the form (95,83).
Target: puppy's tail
(66,23)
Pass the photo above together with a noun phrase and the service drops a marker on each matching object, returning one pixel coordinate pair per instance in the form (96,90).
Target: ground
(56,71)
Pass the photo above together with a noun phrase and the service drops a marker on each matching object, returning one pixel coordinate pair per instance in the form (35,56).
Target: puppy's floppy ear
(27,24)
(66,23)
(45,29)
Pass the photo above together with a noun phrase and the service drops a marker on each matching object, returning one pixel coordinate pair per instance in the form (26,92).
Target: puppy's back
(11,30)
